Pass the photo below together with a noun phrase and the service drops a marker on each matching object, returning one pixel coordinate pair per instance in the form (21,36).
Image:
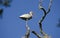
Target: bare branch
(44,36)
(50,4)
(41,7)
(43,17)
(27,33)
(40,2)
(36,34)
(40,24)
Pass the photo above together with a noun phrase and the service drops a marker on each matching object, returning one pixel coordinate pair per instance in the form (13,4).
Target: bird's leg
(26,24)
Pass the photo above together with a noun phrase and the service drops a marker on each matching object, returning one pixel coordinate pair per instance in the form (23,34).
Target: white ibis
(26,17)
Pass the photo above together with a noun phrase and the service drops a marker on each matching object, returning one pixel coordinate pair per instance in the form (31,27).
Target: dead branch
(36,34)
(40,22)
(27,33)
(43,17)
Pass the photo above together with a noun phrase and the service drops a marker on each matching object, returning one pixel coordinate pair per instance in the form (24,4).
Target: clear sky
(11,26)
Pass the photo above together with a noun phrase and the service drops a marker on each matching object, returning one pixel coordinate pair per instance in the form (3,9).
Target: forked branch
(43,17)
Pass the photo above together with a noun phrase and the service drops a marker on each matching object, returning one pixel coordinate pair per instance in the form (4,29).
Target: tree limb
(50,4)
(27,33)
(36,34)
(43,17)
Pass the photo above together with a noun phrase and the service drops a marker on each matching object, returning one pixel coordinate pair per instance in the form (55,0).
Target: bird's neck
(30,14)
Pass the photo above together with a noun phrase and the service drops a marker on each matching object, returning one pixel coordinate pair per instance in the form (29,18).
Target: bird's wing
(25,16)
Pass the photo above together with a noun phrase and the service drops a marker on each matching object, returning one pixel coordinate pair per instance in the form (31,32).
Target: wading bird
(26,17)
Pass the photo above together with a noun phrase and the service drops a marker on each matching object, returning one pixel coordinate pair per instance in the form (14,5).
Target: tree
(45,35)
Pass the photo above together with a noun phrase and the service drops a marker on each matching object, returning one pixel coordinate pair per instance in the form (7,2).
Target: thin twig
(50,4)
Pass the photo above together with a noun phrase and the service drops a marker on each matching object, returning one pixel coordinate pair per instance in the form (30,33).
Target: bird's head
(31,13)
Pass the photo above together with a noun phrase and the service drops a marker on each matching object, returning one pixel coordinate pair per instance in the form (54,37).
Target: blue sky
(11,26)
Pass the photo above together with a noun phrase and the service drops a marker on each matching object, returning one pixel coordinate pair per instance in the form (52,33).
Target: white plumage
(26,16)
